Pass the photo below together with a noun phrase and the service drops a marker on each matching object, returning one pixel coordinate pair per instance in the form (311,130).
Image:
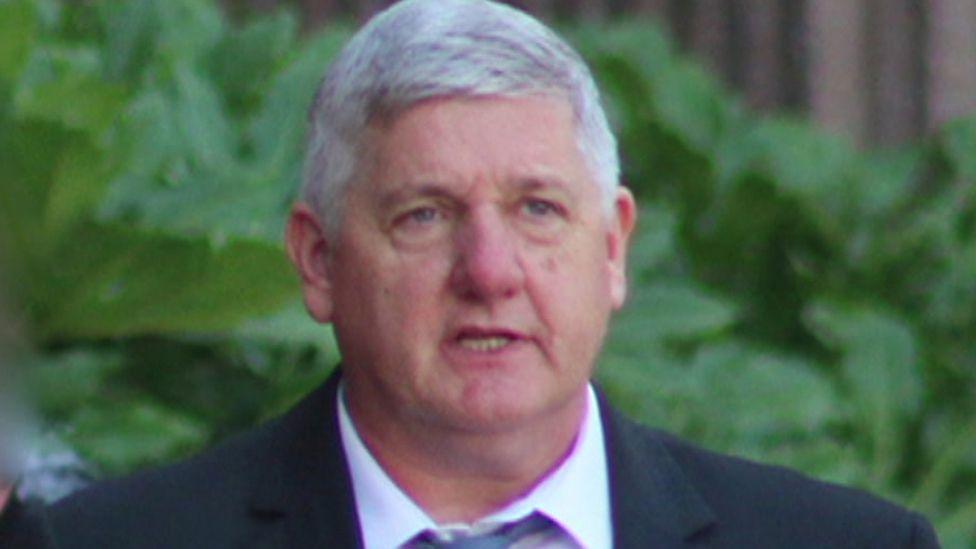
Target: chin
(489,411)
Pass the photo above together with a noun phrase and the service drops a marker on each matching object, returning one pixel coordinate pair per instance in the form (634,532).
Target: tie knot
(502,537)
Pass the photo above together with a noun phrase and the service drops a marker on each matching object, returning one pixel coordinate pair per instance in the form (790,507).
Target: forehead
(464,140)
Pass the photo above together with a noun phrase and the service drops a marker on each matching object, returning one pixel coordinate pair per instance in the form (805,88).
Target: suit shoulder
(793,505)
(218,498)
(24,526)
(195,495)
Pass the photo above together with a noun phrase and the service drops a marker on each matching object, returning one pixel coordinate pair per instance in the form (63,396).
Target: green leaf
(278,130)
(783,406)
(648,385)
(186,30)
(766,406)
(668,114)
(248,57)
(129,27)
(952,443)
(151,36)
(148,140)
(216,205)
(66,86)
(18,32)
(204,128)
(958,528)
(959,141)
(120,435)
(78,184)
(819,455)
(39,195)
(677,94)
(689,101)
(951,295)
(772,395)
(669,310)
(64,382)
(641,41)
(184,175)
(803,162)
(880,355)
(654,240)
(887,182)
(291,325)
(880,369)
(125,282)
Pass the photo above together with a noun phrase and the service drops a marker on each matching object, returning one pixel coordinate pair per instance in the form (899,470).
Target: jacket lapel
(304,497)
(653,503)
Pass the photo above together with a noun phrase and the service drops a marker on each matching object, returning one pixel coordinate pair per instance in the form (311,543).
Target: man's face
(475,271)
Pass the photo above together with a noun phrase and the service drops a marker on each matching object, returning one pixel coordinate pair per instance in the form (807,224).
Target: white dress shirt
(576,495)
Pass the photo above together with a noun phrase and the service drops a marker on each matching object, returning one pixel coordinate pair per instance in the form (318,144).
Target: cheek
(563,285)
(414,290)
(550,264)
(580,268)
(575,288)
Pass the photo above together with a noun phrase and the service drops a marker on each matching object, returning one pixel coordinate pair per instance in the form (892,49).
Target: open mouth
(484,344)
(485,341)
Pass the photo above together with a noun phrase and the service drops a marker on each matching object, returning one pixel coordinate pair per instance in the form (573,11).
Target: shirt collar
(576,495)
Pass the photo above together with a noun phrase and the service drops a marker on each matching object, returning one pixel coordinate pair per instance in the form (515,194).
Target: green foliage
(150,154)
(793,299)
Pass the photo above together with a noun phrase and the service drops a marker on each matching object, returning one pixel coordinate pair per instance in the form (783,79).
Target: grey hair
(424,49)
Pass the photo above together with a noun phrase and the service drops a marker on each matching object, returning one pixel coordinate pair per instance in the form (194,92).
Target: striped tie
(502,538)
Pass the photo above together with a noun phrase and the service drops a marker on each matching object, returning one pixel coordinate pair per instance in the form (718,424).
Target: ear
(309,249)
(618,237)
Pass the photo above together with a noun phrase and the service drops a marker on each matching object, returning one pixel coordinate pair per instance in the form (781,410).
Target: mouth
(483,340)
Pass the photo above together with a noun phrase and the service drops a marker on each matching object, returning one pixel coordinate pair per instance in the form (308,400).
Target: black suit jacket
(24,527)
(286,484)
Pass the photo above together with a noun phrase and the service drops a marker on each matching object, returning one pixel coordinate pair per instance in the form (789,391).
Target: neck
(460,475)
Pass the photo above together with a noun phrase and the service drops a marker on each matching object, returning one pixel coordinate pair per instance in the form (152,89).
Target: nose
(488,265)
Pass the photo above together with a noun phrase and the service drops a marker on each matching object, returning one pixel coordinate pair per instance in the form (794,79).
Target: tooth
(483,344)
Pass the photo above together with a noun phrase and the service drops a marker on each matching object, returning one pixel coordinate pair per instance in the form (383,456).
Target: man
(463,231)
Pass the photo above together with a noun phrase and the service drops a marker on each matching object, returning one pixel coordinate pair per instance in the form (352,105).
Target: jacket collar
(304,496)
(652,501)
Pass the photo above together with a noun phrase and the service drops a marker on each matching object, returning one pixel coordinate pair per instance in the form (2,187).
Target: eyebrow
(407,191)
(542,182)
(404,191)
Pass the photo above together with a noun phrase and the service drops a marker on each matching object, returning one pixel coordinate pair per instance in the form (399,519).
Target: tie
(502,538)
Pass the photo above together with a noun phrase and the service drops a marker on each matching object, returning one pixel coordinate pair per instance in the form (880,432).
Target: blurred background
(803,278)
(882,72)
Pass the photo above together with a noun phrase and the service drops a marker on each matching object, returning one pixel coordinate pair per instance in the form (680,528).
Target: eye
(543,219)
(418,216)
(421,222)
(540,208)
(421,219)
(422,215)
